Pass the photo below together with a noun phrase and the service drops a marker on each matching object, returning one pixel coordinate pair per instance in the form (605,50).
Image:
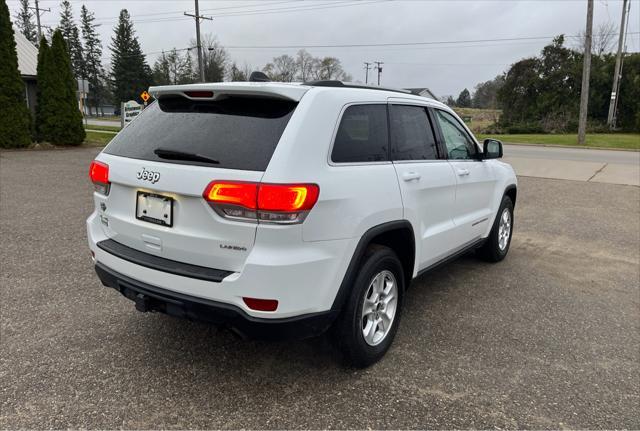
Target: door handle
(463,172)
(410,176)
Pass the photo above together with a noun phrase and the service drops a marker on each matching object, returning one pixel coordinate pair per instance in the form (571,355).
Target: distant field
(601,140)
(478,119)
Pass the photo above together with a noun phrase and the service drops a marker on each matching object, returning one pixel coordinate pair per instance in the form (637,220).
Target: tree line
(129,73)
(541,94)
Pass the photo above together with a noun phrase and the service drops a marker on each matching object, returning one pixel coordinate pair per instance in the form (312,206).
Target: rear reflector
(99,175)
(273,203)
(261,304)
(204,94)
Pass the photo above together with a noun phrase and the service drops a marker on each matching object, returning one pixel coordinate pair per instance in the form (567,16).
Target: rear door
(155,201)
(426,179)
(474,178)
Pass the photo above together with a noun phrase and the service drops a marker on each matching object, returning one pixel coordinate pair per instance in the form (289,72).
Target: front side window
(459,144)
(362,135)
(412,137)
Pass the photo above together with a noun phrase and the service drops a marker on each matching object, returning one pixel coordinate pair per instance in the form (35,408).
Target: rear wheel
(497,245)
(369,320)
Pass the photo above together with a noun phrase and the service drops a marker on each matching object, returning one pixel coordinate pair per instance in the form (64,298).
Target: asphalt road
(549,338)
(574,154)
(99,122)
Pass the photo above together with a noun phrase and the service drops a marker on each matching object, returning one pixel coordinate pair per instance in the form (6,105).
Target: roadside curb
(578,147)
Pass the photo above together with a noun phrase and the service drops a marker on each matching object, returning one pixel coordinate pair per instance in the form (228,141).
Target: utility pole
(615,89)
(38,10)
(379,67)
(586,70)
(367,66)
(198,17)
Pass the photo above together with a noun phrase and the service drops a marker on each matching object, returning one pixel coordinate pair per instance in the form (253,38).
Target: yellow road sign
(145,96)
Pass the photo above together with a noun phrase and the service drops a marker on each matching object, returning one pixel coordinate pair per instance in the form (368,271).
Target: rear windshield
(238,132)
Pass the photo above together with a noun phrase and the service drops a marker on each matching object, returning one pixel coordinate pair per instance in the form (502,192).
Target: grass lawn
(94,139)
(602,140)
(105,128)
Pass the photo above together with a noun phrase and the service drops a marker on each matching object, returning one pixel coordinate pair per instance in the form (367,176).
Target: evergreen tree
(15,121)
(44,93)
(24,22)
(130,73)
(92,57)
(464,99)
(61,119)
(172,68)
(71,37)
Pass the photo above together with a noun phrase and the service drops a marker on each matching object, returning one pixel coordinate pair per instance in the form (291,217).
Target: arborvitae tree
(45,89)
(15,121)
(92,57)
(130,73)
(71,36)
(62,120)
(24,21)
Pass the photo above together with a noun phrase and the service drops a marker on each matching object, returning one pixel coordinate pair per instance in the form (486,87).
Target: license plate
(154,208)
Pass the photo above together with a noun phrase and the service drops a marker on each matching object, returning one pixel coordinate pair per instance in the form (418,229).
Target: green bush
(15,121)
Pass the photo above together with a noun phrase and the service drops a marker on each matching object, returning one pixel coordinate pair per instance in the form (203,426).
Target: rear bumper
(151,298)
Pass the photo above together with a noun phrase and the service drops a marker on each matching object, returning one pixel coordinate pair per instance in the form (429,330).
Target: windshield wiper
(182,155)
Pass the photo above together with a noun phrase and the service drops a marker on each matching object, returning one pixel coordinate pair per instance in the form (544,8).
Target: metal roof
(27,55)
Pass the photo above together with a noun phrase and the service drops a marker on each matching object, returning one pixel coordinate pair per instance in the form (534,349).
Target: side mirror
(492,149)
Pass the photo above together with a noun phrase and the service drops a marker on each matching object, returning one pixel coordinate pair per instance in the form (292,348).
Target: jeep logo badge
(146,175)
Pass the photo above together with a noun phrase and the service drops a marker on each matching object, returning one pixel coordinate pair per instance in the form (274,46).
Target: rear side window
(362,135)
(412,136)
(239,132)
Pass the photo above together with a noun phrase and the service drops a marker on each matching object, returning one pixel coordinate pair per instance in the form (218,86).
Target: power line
(302,8)
(392,44)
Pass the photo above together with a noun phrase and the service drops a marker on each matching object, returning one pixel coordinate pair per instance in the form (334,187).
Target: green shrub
(59,120)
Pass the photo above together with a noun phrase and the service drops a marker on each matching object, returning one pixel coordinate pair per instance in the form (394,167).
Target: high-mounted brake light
(199,93)
(272,203)
(99,175)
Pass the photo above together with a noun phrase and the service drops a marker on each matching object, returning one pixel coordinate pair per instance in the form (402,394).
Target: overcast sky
(444,68)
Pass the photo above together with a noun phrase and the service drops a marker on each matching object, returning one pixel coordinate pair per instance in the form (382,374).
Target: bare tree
(329,68)
(214,57)
(603,40)
(304,62)
(282,69)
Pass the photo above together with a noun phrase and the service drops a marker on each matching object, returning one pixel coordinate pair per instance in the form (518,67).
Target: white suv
(283,210)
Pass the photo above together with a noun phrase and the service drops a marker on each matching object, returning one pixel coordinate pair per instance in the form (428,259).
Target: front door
(475,179)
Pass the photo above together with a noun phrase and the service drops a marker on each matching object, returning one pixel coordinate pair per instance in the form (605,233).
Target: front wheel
(369,320)
(497,245)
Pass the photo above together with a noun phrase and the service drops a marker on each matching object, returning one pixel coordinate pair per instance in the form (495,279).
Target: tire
(495,249)
(380,268)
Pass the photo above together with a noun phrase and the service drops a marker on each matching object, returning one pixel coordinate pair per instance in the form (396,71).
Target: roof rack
(335,83)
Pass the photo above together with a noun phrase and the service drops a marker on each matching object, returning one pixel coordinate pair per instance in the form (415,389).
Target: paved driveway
(549,338)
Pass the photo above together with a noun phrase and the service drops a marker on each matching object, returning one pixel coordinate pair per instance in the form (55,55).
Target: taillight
(99,175)
(233,198)
(270,203)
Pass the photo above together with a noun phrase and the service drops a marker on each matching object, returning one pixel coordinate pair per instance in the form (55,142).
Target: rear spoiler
(205,91)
